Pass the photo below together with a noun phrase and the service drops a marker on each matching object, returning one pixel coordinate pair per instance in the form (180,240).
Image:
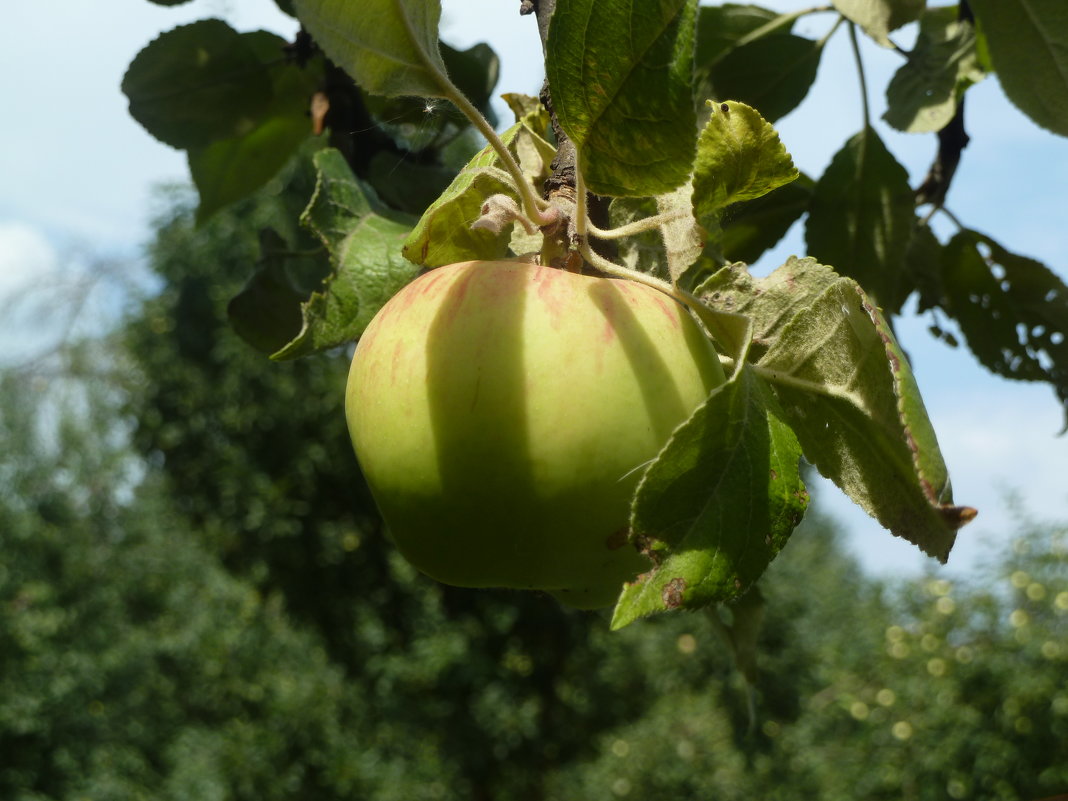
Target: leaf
(389,47)
(474,71)
(1012,310)
(752,227)
(229,169)
(739,157)
(1028,45)
(286,7)
(720,27)
(622,83)
(266,312)
(922,96)
(706,546)
(772,74)
(364,246)
(846,389)
(861,215)
(198,83)
(878,18)
(444,235)
(404,184)
(769,303)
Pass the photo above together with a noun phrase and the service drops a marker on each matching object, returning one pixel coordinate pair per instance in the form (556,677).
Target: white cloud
(26,257)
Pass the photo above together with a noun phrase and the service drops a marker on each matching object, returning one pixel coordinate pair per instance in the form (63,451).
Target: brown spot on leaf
(617,539)
(672,593)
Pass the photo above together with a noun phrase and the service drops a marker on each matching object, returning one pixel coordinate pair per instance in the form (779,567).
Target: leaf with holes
(1012,310)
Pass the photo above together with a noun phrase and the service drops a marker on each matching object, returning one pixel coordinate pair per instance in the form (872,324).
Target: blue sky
(77,177)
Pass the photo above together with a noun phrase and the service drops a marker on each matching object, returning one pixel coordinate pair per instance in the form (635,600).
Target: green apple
(503,413)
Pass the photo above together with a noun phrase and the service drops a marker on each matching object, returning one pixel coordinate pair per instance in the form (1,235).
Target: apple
(503,413)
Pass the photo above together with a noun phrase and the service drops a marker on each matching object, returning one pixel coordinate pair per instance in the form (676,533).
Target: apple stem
(636,227)
(582,228)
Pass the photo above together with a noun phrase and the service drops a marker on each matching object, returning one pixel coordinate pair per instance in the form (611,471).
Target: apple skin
(502,413)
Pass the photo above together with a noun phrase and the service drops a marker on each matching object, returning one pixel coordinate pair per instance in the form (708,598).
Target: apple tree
(648,162)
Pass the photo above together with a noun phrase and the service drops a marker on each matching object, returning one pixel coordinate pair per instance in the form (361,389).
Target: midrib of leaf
(813,387)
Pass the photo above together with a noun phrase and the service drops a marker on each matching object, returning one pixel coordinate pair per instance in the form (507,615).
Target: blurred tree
(217,614)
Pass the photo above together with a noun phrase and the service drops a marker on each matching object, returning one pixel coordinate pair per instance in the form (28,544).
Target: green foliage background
(198,602)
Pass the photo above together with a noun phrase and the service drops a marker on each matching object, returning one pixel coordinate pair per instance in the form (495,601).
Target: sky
(77,177)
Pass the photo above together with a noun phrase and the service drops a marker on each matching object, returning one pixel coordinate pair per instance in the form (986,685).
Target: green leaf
(364,245)
(286,7)
(846,389)
(707,547)
(752,227)
(923,94)
(198,83)
(1028,45)
(861,216)
(622,81)
(444,235)
(879,18)
(772,74)
(266,312)
(739,157)
(389,47)
(407,185)
(769,303)
(229,169)
(474,72)
(720,27)
(1012,310)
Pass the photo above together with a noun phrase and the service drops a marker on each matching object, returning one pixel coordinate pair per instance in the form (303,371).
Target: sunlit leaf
(444,235)
(923,94)
(879,18)
(739,157)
